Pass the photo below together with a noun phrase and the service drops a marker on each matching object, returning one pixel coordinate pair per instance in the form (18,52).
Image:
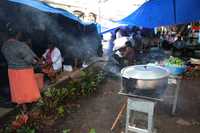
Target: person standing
(20,59)
(129,53)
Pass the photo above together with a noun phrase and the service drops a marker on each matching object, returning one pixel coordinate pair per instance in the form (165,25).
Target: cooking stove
(144,101)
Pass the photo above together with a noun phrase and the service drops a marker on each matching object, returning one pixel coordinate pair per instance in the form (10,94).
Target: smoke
(67,34)
(77,46)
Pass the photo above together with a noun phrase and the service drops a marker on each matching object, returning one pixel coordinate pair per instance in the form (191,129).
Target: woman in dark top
(20,59)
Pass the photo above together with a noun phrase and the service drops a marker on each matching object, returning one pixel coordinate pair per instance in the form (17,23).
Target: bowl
(176,70)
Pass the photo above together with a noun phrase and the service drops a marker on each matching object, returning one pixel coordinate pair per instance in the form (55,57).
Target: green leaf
(83,74)
(61,110)
(92,130)
(66,131)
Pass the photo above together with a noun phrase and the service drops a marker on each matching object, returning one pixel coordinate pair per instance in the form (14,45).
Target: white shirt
(118,35)
(55,57)
(120,43)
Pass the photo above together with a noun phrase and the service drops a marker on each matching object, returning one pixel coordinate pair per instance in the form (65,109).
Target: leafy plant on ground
(92,130)
(90,80)
(66,131)
(6,129)
(61,111)
(53,100)
(25,129)
(1,98)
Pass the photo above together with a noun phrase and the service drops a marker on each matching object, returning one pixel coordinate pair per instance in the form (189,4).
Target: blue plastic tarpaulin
(44,7)
(155,13)
(108,25)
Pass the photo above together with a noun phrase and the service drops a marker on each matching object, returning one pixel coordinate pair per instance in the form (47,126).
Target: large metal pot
(144,77)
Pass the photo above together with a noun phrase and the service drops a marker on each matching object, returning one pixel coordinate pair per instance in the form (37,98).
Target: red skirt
(23,86)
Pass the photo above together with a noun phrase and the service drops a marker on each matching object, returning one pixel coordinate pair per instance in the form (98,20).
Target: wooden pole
(119,115)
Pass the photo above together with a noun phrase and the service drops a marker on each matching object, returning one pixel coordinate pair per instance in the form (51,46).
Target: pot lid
(144,72)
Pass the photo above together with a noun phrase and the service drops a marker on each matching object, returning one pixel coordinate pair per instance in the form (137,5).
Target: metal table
(146,104)
(175,80)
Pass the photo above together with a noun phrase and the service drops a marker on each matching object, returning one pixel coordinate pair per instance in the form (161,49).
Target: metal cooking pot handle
(122,72)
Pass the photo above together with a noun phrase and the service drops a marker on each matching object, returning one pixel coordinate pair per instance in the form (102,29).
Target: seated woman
(52,61)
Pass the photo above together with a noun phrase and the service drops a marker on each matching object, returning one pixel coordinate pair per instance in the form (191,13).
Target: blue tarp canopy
(155,13)
(108,25)
(44,7)
(105,26)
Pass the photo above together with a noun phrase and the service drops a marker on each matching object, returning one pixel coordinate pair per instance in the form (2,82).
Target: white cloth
(199,38)
(118,35)
(119,54)
(55,57)
(120,43)
(67,68)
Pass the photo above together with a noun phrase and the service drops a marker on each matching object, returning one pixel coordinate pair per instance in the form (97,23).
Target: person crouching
(52,62)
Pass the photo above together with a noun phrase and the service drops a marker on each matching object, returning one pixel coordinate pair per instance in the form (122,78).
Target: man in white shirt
(53,61)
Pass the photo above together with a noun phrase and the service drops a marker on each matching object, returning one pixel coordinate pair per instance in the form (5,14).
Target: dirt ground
(100,111)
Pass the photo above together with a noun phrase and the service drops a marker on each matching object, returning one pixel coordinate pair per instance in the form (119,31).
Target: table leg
(176,96)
